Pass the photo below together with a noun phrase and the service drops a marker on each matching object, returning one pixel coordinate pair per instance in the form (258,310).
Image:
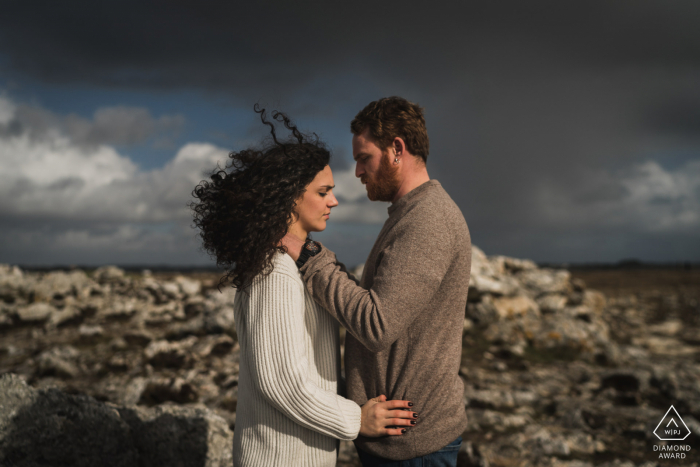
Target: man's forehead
(362,145)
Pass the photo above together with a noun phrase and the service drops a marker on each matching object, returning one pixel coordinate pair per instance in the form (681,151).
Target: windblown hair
(245,209)
(392,117)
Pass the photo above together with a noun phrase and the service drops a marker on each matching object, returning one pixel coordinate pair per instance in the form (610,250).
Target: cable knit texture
(289,411)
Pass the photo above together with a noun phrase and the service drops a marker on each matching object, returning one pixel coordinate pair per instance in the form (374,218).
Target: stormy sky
(565,131)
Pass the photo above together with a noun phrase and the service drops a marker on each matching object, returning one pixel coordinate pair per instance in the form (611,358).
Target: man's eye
(323,194)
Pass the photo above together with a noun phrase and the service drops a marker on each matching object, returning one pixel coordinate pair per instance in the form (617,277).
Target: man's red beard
(385,184)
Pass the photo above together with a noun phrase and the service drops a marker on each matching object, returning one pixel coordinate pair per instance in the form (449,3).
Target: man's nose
(359,170)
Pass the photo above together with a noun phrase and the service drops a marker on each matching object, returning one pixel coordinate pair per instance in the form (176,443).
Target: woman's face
(313,209)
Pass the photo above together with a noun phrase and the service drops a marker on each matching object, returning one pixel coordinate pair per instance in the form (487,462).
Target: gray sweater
(405,318)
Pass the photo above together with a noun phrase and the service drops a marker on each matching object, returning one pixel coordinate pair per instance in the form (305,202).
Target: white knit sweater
(289,412)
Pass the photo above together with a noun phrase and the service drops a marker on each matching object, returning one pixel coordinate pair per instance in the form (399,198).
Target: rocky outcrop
(50,427)
(517,307)
(555,374)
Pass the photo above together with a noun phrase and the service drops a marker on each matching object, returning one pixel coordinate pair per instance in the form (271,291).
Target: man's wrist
(309,249)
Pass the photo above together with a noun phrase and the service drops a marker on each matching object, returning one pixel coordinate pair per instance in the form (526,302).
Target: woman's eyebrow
(330,187)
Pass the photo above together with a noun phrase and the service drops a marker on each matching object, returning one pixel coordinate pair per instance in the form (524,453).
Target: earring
(396,160)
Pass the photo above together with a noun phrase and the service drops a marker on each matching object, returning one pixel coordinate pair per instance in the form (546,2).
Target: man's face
(374,169)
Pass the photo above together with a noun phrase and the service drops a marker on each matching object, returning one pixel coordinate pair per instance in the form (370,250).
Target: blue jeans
(445,457)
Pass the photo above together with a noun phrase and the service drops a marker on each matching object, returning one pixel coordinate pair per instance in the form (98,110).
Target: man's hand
(293,245)
(378,415)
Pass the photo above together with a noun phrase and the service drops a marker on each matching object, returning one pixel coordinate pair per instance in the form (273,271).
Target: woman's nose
(332,201)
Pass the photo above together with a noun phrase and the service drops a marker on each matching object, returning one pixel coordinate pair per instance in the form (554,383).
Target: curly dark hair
(245,209)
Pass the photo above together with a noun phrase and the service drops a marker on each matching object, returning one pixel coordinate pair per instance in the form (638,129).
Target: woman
(289,411)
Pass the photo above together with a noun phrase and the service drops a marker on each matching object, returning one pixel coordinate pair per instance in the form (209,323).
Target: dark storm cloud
(542,115)
(227,44)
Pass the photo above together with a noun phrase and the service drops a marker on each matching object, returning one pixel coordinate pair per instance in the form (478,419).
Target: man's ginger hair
(392,117)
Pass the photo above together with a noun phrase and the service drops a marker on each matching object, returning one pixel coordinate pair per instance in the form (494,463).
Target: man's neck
(410,182)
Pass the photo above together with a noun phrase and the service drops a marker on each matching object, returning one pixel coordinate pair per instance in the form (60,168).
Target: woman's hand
(381,417)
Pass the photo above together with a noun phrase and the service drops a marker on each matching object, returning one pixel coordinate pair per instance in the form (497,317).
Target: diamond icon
(672,427)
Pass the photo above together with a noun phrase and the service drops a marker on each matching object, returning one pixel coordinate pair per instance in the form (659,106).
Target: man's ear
(399,146)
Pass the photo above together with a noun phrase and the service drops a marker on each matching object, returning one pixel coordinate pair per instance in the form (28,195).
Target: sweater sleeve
(279,363)
(409,273)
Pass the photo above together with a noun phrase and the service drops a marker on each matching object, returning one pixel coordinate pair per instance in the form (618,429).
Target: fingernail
(403,431)
(413,422)
(410,404)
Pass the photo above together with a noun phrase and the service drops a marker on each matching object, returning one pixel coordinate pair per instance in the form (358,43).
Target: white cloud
(52,176)
(117,125)
(89,198)
(645,197)
(7,110)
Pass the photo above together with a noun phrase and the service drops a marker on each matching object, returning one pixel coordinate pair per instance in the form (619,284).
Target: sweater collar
(413,195)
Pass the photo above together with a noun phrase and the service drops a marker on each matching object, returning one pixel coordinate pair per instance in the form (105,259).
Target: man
(404,320)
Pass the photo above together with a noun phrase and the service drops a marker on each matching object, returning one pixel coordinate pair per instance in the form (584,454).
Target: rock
(551,303)
(76,430)
(35,313)
(117,308)
(668,328)
(67,429)
(59,361)
(189,287)
(543,281)
(595,301)
(169,354)
(194,306)
(160,314)
(171,435)
(482,285)
(505,264)
(482,313)
(69,315)
(12,283)
(59,284)
(497,421)
(138,337)
(223,298)
(90,332)
(109,275)
(159,390)
(625,380)
(215,345)
(171,290)
(511,307)
(481,266)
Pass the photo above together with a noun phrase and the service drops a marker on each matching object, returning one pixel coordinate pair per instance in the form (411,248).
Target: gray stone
(172,435)
(108,275)
(59,284)
(512,307)
(36,426)
(76,430)
(35,313)
(163,353)
(58,361)
(189,287)
(544,281)
(551,303)
(68,315)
